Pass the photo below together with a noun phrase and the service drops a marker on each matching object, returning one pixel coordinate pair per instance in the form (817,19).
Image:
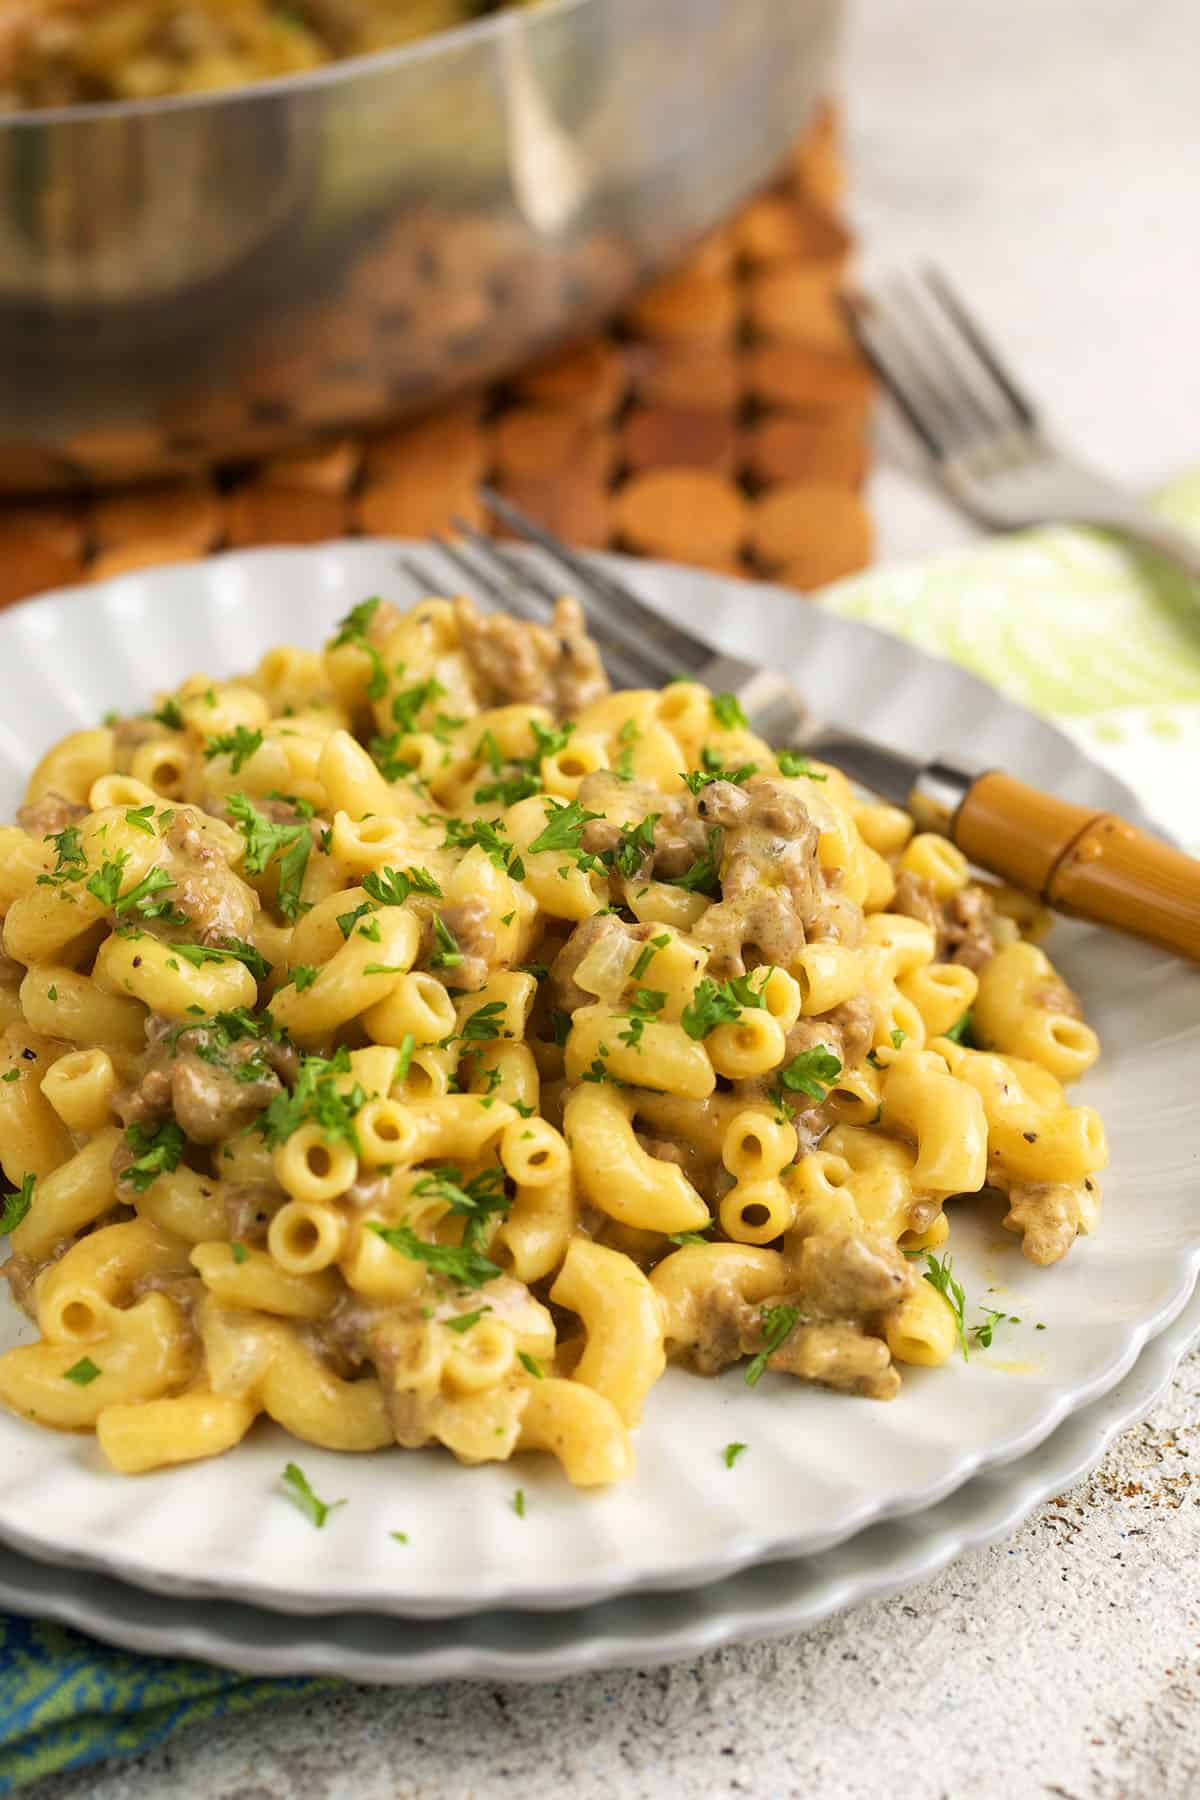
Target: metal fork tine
(519,579)
(983,408)
(501,593)
(868,327)
(490,556)
(418,574)
(982,347)
(666,649)
(924,358)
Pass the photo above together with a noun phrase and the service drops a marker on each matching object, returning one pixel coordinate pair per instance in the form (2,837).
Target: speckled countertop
(1048,153)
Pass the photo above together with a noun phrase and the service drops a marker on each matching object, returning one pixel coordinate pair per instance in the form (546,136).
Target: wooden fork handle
(1092,864)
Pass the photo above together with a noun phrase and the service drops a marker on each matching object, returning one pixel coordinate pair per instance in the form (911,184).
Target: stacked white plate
(834,1499)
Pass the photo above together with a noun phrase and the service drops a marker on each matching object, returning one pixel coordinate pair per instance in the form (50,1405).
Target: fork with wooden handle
(1077,859)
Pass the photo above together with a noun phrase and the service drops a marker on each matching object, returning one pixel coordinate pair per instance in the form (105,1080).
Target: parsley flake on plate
(939,1274)
(299,1490)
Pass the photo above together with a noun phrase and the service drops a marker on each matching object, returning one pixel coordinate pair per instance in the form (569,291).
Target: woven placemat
(721,420)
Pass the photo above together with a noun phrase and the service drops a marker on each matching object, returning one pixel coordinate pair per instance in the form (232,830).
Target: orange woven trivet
(720,421)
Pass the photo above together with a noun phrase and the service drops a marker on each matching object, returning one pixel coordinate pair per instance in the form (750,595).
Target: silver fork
(983,433)
(1128,878)
(640,648)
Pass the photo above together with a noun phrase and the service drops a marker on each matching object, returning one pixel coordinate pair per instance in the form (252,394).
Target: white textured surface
(1046,151)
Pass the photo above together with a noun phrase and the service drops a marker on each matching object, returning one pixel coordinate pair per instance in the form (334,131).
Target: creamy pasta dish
(418,1043)
(64,52)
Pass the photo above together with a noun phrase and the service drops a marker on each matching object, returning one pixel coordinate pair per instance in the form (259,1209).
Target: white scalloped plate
(820,1466)
(773,1600)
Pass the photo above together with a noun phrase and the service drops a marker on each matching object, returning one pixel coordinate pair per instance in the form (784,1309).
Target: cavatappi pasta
(418,1043)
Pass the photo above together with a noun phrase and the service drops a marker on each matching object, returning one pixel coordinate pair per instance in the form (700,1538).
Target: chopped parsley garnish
(266,842)
(646,955)
(778,1323)
(82,1373)
(939,1275)
(141,818)
(560,1025)
(508,789)
(408,1044)
(391,887)
(476,1200)
(413,700)
(727,711)
(246,953)
(385,754)
(105,885)
(627,737)
(731,1452)
(563,831)
(11,1075)
(353,630)
(316,1099)
(960,1031)
(526,776)
(239,1253)
(720,1003)
(599,1071)
(348,920)
(239,745)
(792,763)
(683,1238)
(468,1267)
(303,976)
(644,1009)
(461,835)
(518,1503)
(485,1022)
(212,1038)
(156,1152)
(18,1201)
(633,852)
(234,950)
(703,877)
(303,809)
(401,1537)
(531,1365)
(897,1037)
(447,955)
(982,1332)
(297,1485)
(170,715)
(813,1073)
(696,779)
(72,861)
(464,1321)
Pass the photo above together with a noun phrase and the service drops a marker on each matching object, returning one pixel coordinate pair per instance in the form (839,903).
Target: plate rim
(870,1566)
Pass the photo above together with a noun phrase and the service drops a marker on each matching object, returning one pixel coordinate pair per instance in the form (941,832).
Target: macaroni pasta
(420,1044)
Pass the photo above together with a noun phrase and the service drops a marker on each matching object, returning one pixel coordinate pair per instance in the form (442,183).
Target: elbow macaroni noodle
(365,1009)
